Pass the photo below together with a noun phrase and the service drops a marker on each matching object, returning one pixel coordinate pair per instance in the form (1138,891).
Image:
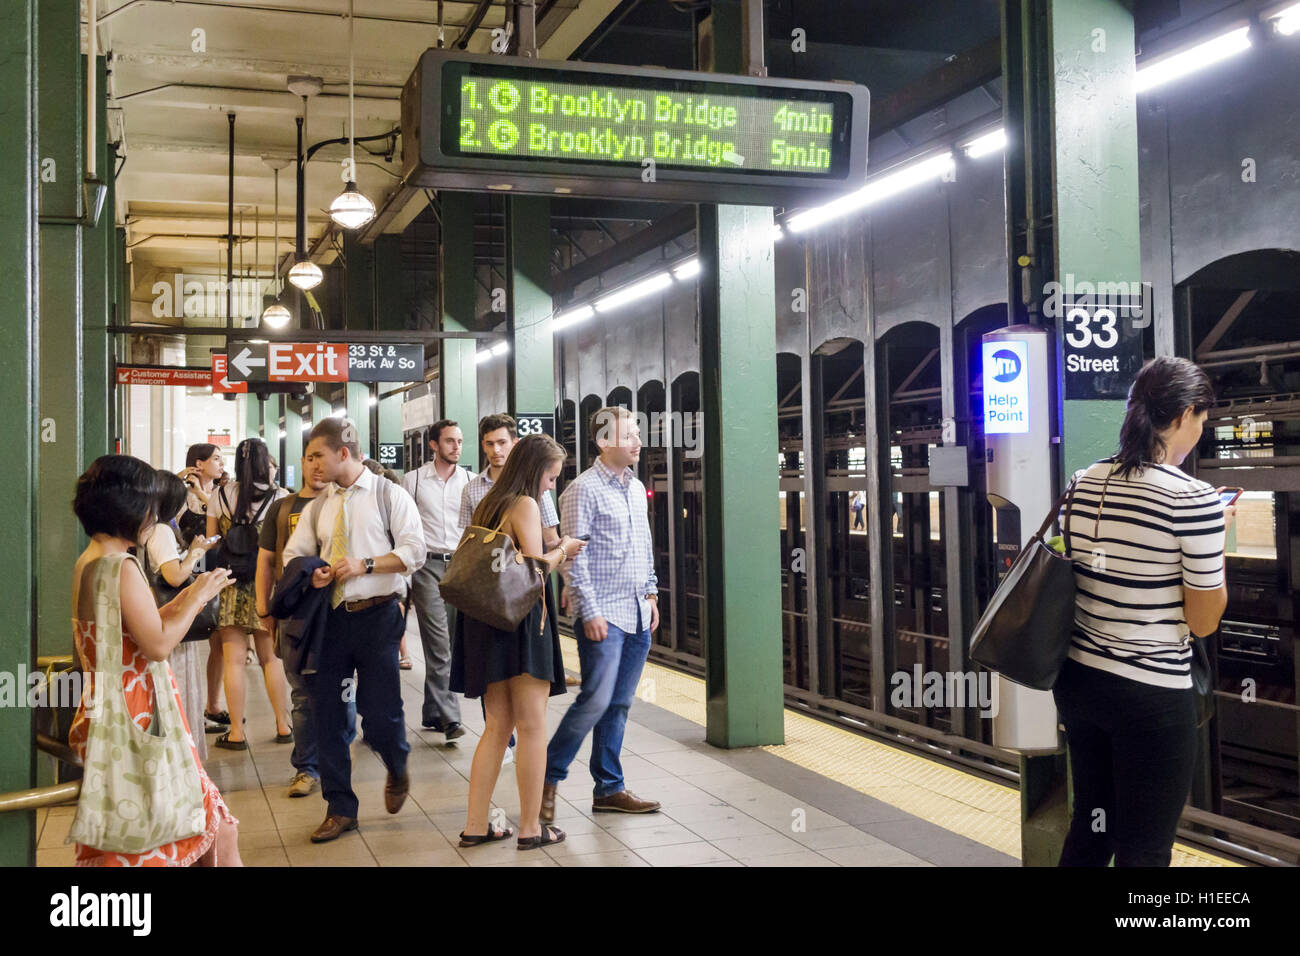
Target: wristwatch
(652,597)
(370,565)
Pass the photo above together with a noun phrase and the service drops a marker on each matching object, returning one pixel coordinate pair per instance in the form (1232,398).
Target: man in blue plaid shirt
(614,596)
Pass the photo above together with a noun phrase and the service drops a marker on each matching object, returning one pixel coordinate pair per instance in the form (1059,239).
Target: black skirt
(482,655)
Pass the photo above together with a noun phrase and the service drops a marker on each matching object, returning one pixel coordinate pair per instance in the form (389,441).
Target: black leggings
(1132,752)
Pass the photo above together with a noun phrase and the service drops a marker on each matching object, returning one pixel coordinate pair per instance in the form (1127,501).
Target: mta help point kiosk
(1018,470)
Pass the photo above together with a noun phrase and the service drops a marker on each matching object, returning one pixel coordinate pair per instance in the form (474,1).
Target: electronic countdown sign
(478,122)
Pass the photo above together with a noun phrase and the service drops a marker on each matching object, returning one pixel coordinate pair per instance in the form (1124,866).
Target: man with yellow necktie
(369,532)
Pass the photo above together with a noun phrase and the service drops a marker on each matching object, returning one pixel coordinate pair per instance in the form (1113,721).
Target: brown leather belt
(366,604)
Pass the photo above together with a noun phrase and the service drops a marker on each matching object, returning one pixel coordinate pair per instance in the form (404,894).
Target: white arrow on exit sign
(245,363)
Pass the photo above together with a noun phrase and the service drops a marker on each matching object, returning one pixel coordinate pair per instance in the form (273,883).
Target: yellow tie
(339,544)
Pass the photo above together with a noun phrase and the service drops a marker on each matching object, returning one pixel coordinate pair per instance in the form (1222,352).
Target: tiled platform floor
(714,814)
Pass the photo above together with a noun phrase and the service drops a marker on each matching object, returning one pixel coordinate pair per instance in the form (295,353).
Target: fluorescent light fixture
(637,290)
(281,434)
(340,413)
(1287,21)
(993,142)
(932,167)
(687,270)
(482,355)
(1193,59)
(572,317)
(373,401)
(501,348)
(307,426)
(257,341)
(777,233)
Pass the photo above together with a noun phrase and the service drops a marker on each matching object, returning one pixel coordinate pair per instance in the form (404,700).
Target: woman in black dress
(515,672)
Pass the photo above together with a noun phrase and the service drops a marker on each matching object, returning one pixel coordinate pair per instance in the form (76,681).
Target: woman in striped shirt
(1147,542)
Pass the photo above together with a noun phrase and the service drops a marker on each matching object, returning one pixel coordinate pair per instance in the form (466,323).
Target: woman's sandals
(491,836)
(550,836)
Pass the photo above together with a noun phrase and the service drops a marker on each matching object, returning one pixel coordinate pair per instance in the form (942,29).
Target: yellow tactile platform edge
(962,803)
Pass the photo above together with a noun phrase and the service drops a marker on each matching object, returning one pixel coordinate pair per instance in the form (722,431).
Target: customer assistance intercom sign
(1006,387)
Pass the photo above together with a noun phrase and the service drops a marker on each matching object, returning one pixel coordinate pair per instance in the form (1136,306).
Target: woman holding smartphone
(1147,540)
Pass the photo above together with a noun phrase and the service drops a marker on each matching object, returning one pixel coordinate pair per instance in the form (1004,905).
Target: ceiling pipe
(230,227)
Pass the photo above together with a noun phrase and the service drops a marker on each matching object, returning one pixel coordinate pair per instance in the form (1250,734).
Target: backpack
(238,551)
(283,515)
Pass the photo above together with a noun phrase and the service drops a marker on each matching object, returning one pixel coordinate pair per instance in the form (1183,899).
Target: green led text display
(542,119)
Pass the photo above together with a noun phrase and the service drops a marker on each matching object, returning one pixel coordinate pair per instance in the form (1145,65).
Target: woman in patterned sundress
(247,498)
(116,503)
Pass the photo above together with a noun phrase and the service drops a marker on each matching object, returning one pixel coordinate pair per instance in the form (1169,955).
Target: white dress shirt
(367,537)
(438,501)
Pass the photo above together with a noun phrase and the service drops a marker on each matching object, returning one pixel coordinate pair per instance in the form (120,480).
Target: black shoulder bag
(1024,633)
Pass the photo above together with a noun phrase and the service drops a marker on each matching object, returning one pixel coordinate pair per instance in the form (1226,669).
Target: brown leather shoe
(625,801)
(547,813)
(333,827)
(395,791)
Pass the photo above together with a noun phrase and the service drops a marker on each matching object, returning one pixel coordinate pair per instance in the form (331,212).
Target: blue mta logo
(1006,365)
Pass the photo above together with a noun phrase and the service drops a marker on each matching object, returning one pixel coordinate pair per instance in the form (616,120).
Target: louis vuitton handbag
(491,580)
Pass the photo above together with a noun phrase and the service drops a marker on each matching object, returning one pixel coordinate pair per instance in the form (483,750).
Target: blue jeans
(611,670)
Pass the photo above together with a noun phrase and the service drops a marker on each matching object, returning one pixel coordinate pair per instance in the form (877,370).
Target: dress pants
(365,642)
(441,704)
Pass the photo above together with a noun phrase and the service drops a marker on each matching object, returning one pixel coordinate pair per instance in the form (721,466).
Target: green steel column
(389,310)
(530,377)
(1095,192)
(18,396)
(742,562)
(358,402)
(457,369)
(98,260)
(293,442)
(531,360)
(321,408)
(251,414)
(390,426)
(60,93)
(1072,113)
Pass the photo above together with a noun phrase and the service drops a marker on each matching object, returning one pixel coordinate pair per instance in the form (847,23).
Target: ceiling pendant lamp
(351,210)
(305,274)
(275,315)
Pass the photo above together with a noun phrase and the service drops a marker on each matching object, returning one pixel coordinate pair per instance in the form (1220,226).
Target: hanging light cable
(351,209)
(276,315)
(304,273)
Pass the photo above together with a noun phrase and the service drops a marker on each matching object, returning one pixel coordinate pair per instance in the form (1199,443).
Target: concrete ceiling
(178,67)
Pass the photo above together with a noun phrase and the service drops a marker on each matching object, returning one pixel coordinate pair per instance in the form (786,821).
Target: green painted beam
(531,359)
(744,687)
(358,283)
(358,402)
(19,353)
(457,369)
(293,443)
(742,561)
(59,131)
(97,262)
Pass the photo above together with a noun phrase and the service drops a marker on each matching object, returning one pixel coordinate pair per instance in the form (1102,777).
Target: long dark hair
(522,475)
(252,467)
(1162,391)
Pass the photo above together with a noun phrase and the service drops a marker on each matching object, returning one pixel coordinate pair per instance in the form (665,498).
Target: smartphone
(1229,496)
(581,537)
(214,539)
